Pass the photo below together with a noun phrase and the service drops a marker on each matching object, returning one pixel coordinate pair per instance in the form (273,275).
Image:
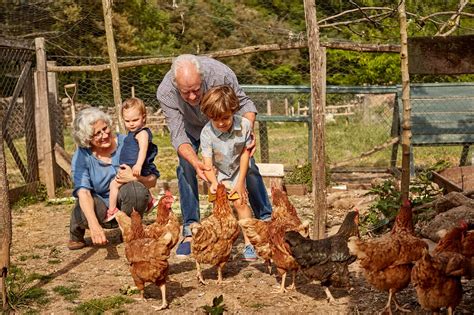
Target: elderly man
(180,95)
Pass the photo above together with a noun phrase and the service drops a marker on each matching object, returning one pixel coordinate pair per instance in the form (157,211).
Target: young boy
(138,150)
(224,141)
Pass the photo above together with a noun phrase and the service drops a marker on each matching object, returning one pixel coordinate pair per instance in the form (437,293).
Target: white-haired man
(180,94)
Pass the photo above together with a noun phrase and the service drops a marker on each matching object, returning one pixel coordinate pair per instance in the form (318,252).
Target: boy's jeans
(189,196)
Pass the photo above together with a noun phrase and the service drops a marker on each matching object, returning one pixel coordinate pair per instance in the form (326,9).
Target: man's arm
(186,151)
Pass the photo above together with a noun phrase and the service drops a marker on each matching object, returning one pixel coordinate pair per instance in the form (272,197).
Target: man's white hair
(83,131)
(183,61)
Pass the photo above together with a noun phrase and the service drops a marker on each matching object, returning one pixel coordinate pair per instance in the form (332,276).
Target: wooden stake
(406,124)
(107,6)
(317,100)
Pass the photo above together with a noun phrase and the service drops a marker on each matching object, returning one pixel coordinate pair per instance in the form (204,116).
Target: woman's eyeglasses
(99,134)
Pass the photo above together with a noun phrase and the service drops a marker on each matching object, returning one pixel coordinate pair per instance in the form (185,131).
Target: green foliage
(387,204)
(217,307)
(99,306)
(21,290)
(301,175)
(29,199)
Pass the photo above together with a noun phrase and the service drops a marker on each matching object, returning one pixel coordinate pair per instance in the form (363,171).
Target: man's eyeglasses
(99,134)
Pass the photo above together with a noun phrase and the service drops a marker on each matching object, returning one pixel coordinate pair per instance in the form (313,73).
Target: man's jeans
(189,195)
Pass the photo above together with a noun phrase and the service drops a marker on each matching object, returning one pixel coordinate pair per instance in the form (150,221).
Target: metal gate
(17,115)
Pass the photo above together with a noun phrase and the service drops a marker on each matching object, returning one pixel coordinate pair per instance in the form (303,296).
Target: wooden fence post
(43,121)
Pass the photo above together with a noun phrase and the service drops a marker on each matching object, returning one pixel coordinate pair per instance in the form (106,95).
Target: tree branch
(454,18)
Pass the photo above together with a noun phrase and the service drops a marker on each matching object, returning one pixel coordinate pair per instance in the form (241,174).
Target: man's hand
(252,147)
(125,174)
(98,235)
(200,169)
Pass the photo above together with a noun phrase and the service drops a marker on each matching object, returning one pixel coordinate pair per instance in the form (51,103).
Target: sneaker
(249,253)
(184,249)
(152,204)
(75,245)
(111,215)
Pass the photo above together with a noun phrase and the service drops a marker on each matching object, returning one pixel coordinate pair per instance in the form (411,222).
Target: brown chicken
(387,261)
(166,221)
(437,276)
(148,257)
(214,236)
(326,260)
(268,237)
(468,252)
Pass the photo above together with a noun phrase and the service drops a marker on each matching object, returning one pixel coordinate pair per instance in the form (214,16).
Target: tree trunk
(406,125)
(316,59)
(107,6)
(5,225)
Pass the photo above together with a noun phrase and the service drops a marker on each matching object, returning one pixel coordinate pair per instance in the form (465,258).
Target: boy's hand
(242,191)
(213,188)
(136,170)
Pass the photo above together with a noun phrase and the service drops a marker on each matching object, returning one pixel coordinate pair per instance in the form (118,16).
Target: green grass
(99,306)
(21,290)
(68,293)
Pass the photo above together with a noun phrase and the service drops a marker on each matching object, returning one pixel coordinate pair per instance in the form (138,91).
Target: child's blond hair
(218,101)
(134,102)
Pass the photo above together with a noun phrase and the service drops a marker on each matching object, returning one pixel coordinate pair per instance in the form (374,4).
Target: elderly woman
(94,165)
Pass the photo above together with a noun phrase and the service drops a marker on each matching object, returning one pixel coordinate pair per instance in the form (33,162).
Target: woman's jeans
(133,195)
(189,195)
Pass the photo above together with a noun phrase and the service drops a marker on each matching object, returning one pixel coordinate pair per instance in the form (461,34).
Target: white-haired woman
(94,165)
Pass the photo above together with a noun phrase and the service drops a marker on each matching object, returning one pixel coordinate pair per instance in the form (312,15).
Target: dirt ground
(40,234)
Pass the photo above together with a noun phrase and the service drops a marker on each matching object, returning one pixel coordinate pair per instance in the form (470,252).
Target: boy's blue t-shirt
(90,173)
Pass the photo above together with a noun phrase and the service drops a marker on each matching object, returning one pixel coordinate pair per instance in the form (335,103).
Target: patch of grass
(54,261)
(29,199)
(257,306)
(21,290)
(99,306)
(68,293)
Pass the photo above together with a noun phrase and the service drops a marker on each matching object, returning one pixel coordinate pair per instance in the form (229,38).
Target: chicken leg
(329,296)
(282,286)
(163,298)
(293,286)
(199,274)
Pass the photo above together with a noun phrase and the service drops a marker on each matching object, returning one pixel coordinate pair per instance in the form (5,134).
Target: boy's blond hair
(134,102)
(218,101)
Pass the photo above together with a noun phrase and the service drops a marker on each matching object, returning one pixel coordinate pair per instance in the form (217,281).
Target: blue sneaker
(184,249)
(249,253)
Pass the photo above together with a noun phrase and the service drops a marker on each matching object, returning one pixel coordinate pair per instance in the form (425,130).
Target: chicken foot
(199,274)
(163,297)
(329,296)
(398,307)
(282,286)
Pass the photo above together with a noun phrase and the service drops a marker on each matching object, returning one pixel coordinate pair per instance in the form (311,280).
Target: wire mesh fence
(17,114)
(355,121)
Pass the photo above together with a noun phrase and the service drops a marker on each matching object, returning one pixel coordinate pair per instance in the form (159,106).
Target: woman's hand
(125,175)
(98,235)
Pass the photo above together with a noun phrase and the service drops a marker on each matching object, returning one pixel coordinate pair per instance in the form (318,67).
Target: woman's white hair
(184,61)
(82,128)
